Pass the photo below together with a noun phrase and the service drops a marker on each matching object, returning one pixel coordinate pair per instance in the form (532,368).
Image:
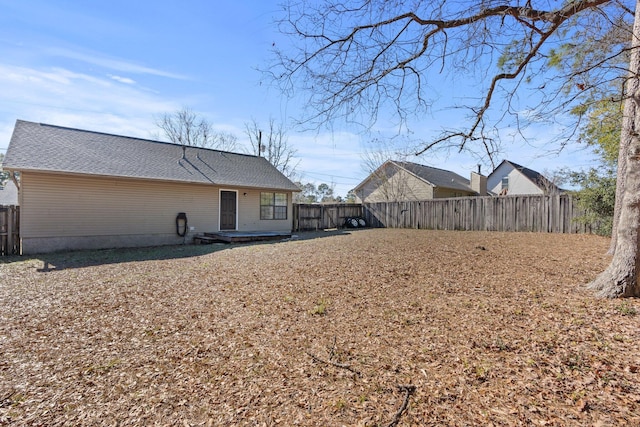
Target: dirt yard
(363,328)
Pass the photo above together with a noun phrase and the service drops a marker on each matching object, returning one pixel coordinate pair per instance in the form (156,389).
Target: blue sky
(114,66)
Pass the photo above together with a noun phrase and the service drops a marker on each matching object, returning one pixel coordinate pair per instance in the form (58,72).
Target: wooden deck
(240,236)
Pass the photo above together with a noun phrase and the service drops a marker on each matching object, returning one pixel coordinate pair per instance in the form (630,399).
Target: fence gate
(323,216)
(9,230)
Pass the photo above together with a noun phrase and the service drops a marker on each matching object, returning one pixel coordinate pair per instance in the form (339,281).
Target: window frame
(275,210)
(504,183)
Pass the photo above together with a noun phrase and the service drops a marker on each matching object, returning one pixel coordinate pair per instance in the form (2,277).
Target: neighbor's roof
(536,177)
(48,148)
(432,176)
(437,177)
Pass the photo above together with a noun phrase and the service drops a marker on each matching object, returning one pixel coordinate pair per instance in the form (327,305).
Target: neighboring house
(512,179)
(8,193)
(80,189)
(406,181)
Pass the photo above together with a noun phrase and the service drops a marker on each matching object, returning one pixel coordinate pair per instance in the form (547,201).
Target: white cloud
(124,80)
(329,158)
(63,97)
(111,63)
(66,98)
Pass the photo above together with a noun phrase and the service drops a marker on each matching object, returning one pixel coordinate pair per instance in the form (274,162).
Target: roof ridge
(527,168)
(427,166)
(516,164)
(133,138)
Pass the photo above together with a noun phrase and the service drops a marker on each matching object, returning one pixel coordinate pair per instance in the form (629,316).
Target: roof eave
(141,178)
(370,176)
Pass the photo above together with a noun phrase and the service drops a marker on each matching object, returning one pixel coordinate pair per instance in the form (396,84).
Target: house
(406,181)
(512,179)
(80,189)
(8,193)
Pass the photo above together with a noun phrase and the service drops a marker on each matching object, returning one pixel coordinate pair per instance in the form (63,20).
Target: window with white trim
(505,182)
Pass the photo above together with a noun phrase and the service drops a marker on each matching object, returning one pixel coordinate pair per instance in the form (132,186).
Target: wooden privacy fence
(9,230)
(550,214)
(321,217)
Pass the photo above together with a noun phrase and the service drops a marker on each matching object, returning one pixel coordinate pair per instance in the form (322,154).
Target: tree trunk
(621,176)
(620,279)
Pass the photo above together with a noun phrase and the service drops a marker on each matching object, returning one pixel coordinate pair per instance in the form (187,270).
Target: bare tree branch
(336,364)
(385,178)
(385,57)
(272,143)
(185,127)
(408,391)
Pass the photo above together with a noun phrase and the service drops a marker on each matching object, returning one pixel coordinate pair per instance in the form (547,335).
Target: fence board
(9,230)
(547,214)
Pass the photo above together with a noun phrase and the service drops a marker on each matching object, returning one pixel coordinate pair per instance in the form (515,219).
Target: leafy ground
(465,328)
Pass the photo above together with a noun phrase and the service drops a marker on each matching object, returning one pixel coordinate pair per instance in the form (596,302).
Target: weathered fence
(9,230)
(550,214)
(323,216)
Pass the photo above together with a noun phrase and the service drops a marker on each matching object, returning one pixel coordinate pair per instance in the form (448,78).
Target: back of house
(80,189)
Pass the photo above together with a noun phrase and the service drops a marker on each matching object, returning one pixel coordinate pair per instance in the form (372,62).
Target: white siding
(518,182)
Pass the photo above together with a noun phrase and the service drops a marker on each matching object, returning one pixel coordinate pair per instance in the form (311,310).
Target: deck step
(246,236)
(201,239)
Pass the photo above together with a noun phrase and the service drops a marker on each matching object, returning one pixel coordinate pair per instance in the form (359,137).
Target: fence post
(4,216)
(10,230)
(10,217)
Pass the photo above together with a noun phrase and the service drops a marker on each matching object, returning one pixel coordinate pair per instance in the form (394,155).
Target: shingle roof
(42,147)
(438,177)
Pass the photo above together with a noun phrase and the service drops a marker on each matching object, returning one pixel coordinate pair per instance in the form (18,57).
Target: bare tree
(272,143)
(185,127)
(3,175)
(357,58)
(551,181)
(389,184)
